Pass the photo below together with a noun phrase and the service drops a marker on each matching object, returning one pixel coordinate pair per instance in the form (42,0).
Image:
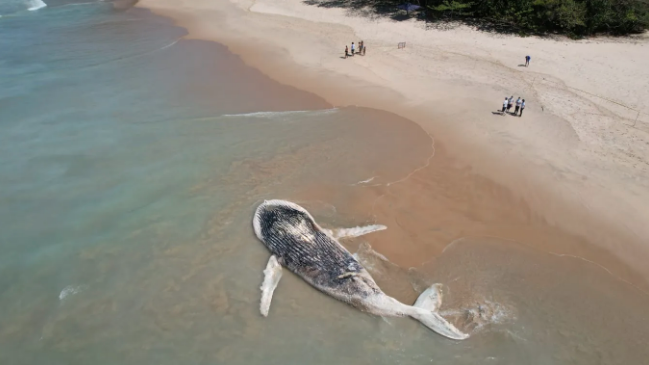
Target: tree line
(572,17)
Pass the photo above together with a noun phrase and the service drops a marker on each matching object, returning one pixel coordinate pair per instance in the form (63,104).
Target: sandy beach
(579,156)
(126,202)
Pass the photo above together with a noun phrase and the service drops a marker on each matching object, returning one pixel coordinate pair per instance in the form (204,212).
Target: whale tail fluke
(431,298)
(426,311)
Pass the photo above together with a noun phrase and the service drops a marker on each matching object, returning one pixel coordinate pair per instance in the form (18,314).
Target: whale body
(298,243)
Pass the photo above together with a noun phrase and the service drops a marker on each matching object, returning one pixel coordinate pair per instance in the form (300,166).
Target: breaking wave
(15,6)
(35,4)
(281,114)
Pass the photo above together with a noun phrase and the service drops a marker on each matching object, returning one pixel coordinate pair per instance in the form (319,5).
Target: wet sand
(172,271)
(564,164)
(429,200)
(436,205)
(436,191)
(522,287)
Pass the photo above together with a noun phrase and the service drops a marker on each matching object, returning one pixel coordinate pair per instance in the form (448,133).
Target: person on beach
(527,60)
(522,108)
(518,105)
(510,103)
(346,52)
(352,48)
(505,105)
(364,49)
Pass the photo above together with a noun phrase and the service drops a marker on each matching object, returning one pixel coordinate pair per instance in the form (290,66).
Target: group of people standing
(509,102)
(361,49)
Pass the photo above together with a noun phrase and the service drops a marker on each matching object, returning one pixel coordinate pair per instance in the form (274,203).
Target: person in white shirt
(518,105)
(352,48)
(522,107)
(505,105)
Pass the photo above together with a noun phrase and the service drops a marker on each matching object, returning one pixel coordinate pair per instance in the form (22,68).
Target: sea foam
(70,290)
(35,4)
(281,114)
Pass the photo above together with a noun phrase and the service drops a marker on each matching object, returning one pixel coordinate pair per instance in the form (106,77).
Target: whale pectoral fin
(272,274)
(353,232)
(431,298)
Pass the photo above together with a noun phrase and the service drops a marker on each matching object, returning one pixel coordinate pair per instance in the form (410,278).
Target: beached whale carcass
(298,243)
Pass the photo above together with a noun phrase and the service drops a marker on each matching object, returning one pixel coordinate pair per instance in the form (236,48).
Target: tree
(453,7)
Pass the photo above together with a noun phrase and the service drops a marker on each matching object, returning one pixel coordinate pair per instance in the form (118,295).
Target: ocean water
(132,161)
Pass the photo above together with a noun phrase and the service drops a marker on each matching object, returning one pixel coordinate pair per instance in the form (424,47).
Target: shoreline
(129,200)
(302,52)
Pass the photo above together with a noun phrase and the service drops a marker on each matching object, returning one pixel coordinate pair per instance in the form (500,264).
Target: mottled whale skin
(297,242)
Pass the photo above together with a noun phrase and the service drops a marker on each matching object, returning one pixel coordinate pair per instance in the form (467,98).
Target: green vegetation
(572,17)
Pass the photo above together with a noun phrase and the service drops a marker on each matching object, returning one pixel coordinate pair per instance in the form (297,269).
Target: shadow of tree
(369,8)
(374,9)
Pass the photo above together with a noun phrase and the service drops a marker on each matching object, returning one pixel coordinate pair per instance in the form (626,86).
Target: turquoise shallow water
(126,155)
(132,161)
(104,115)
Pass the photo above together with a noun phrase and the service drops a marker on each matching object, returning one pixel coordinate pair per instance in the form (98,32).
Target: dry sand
(579,157)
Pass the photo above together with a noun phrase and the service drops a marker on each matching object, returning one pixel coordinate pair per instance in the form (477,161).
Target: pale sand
(580,154)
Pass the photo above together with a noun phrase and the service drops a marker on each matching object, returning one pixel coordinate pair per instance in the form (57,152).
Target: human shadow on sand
(498,112)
